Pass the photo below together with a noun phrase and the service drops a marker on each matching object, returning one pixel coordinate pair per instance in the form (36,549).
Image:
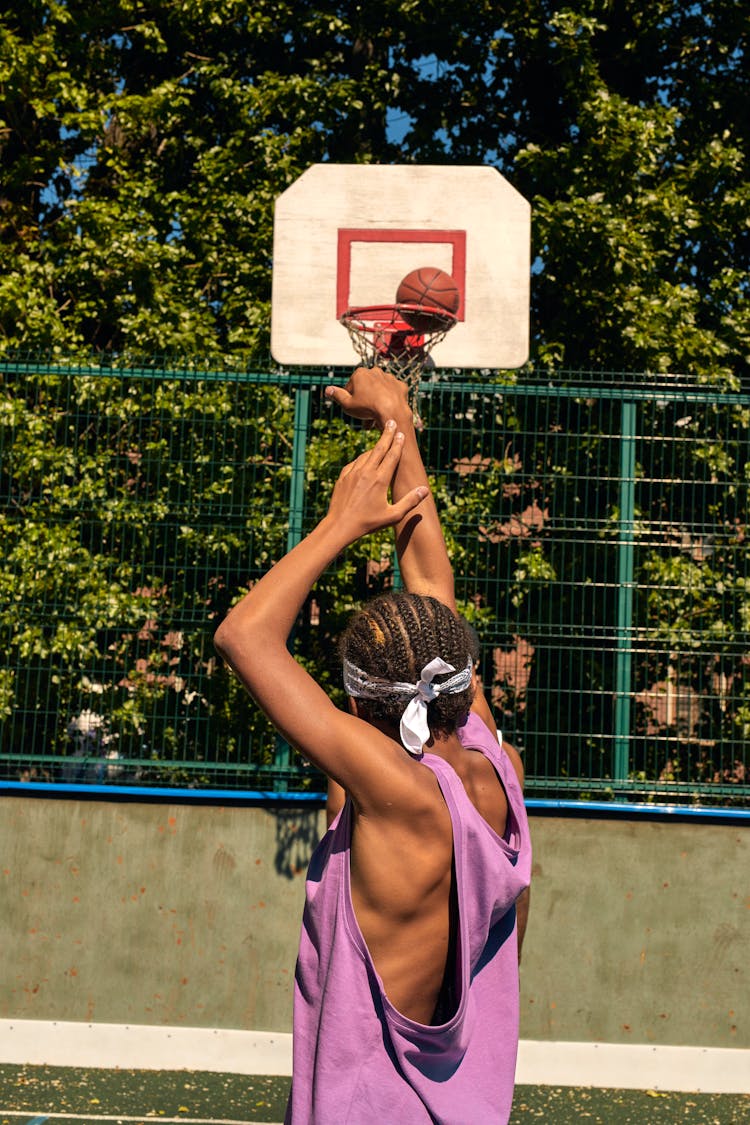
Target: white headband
(414,728)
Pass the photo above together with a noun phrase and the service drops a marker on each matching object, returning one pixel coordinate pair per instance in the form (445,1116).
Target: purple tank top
(356,1059)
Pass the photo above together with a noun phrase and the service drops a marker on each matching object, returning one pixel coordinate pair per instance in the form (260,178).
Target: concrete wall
(150,913)
(639,933)
(180,914)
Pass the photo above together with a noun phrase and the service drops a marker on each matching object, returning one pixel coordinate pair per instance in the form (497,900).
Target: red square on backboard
(455,240)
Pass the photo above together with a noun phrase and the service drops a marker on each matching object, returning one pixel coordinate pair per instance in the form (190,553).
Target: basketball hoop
(398,338)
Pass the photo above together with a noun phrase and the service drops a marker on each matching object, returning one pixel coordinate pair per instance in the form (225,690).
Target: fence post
(299,454)
(625,571)
(300,437)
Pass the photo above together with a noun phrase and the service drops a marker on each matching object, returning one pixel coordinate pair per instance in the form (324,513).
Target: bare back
(401,875)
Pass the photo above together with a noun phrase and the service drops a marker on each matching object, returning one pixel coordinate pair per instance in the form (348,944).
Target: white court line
(145,1047)
(713,1070)
(626,1066)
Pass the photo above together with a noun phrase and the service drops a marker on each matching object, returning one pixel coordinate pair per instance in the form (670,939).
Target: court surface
(32,1095)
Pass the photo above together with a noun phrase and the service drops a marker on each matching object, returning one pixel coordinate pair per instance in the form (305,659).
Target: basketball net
(383,337)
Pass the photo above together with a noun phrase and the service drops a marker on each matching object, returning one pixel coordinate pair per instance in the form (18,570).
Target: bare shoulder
(400,850)
(413,803)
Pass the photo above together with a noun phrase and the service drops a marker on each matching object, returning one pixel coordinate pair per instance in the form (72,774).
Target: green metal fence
(597,524)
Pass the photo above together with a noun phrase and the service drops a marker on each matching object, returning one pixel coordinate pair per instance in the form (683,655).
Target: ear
(351,703)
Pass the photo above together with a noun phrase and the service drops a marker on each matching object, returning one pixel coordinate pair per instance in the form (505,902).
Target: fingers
(339,395)
(407,503)
(360,496)
(382,458)
(346,400)
(389,443)
(387,449)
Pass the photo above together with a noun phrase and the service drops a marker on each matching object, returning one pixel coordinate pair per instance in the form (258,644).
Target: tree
(143,146)
(627,128)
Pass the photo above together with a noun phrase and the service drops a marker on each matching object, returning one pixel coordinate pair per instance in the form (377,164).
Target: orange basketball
(429,286)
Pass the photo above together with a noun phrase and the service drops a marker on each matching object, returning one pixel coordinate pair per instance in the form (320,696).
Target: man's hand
(374,396)
(359,504)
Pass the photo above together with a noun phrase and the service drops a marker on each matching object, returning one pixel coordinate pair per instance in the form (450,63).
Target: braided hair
(393,637)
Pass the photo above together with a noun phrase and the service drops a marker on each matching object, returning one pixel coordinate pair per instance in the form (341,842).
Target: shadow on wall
(297,836)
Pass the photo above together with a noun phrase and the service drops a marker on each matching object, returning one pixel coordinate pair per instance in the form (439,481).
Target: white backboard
(346,234)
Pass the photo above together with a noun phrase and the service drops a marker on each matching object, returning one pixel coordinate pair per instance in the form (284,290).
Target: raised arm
(253,637)
(376,396)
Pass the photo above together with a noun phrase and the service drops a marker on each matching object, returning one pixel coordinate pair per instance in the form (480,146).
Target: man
(406,999)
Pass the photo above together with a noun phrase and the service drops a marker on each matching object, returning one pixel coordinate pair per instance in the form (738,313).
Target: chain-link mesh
(598,529)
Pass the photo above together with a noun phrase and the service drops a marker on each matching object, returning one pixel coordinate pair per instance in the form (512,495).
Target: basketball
(429,286)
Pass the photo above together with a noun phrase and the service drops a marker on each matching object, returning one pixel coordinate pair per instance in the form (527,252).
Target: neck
(441,745)
(445,746)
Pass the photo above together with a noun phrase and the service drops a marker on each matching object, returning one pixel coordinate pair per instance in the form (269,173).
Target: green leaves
(143,148)
(126,505)
(143,151)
